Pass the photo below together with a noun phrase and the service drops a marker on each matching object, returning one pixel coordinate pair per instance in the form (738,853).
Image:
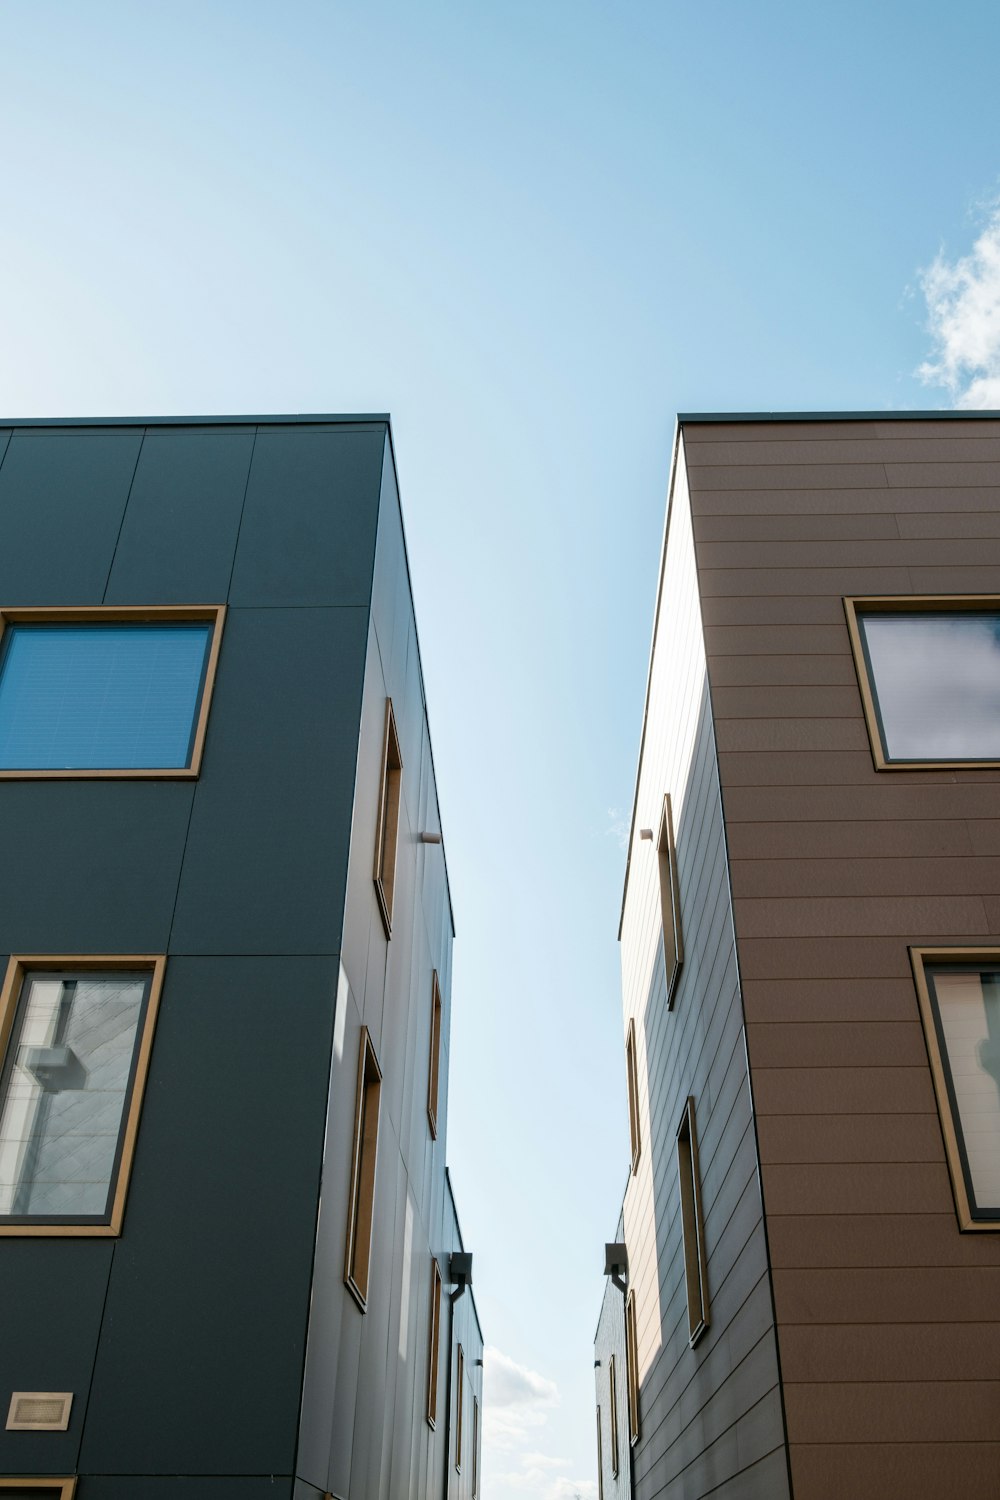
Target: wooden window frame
(600,1457)
(969,1218)
(475,1448)
(387,830)
(692,1224)
(64,1488)
(434,1065)
(155,964)
(670,901)
(459,1407)
(112,614)
(632,1369)
(364,1160)
(613,1415)
(906,604)
(433,1344)
(632,1079)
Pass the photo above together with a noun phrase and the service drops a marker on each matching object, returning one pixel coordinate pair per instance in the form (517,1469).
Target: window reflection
(967,1004)
(935,679)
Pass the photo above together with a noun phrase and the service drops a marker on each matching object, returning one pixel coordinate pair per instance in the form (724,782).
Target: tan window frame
(434,1067)
(433,1344)
(361,1204)
(692,1225)
(110,614)
(632,1368)
(460,1366)
(600,1459)
(670,901)
(922,959)
(20,964)
(475,1448)
(387,833)
(906,604)
(57,1489)
(613,1412)
(632,1076)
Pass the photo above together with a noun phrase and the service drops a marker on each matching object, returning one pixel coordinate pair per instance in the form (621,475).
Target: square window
(362,1198)
(75,1039)
(105,691)
(959,995)
(929,671)
(388,819)
(670,901)
(692,1225)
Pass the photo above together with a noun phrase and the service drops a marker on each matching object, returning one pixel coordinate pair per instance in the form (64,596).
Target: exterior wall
(610,1340)
(710,1416)
(184,1340)
(888,1331)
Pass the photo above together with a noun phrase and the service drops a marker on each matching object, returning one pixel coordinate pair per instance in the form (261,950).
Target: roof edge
(281,418)
(950,414)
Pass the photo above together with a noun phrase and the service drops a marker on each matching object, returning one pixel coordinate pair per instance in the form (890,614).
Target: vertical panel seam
(121,523)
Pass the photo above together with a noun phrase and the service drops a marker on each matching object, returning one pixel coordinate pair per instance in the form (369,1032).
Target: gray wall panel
(201,1353)
(308,532)
(96,865)
(184,1487)
(178,539)
(266,859)
(62,498)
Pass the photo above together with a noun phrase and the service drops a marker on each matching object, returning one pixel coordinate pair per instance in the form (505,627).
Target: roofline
(950,415)
(270,420)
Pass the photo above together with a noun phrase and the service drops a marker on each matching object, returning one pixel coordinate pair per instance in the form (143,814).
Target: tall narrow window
(692,1224)
(433,1344)
(475,1448)
(460,1393)
(670,904)
(632,1073)
(75,1040)
(37,1489)
(434,1068)
(959,993)
(106,691)
(613,1414)
(386,835)
(600,1459)
(632,1368)
(361,1208)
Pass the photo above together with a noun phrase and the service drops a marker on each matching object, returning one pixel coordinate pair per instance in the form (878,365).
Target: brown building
(811,973)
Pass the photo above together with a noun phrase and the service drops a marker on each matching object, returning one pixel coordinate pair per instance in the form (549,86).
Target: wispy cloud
(963,319)
(515,1399)
(618,827)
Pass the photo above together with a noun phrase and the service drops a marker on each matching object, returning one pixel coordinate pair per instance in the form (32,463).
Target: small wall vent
(39,1411)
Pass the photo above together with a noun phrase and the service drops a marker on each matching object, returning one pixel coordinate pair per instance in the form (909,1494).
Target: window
(613,1410)
(670,905)
(475,1448)
(37,1489)
(435,1057)
(632,1368)
(600,1459)
(458,1407)
(692,1225)
(631,1071)
(361,1208)
(388,819)
(104,691)
(959,994)
(75,1039)
(929,671)
(433,1344)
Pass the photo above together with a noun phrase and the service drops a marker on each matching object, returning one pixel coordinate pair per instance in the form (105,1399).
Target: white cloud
(515,1399)
(963,314)
(618,827)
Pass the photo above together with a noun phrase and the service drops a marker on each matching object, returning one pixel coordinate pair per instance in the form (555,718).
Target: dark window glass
(967,1014)
(64,1091)
(100,697)
(935,680)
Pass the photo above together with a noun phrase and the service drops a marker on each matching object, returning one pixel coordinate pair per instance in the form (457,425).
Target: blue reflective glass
(100,697)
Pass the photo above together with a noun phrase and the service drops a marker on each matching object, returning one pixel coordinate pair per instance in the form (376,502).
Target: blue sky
(533,233)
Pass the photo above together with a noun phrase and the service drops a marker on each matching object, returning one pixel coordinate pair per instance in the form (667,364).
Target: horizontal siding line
(728,1370)
(903,1442)
(712,1443)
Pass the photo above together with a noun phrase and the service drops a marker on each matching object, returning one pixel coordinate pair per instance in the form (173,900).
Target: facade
(810,945)
(231,1261)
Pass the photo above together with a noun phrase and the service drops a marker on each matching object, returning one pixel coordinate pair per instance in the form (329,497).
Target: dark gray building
(231,1262)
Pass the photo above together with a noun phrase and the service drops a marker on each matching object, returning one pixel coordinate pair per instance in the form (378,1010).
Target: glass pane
(969,1010)
(64,1089)
(79,697)
(936,681)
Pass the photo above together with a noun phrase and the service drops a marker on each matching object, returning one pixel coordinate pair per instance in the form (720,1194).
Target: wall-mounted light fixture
(646,833)
(616,1265)
(435,838)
